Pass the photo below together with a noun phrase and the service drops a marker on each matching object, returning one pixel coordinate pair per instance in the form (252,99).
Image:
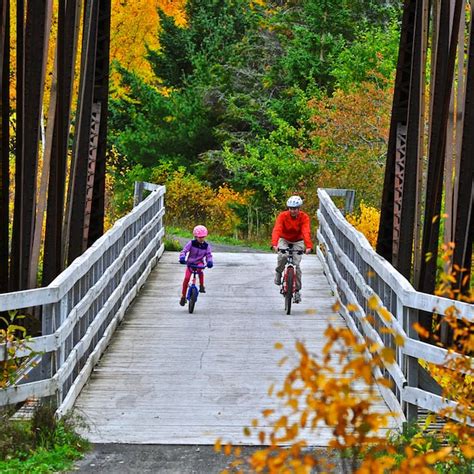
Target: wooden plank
(177,378)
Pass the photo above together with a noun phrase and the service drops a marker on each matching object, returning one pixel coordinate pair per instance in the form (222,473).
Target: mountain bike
(193,290)
(288,283)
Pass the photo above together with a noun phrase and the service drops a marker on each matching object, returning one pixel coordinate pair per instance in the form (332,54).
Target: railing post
(349,203)
(138,194)
(411,365)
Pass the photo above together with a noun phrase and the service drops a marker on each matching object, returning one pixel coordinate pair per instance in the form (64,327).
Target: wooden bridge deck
(169,377)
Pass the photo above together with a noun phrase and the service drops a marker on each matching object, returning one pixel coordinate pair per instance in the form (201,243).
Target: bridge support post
(138,193)
(411,365)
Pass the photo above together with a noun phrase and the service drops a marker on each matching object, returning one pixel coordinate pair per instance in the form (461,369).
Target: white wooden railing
(82,307)
(357,275)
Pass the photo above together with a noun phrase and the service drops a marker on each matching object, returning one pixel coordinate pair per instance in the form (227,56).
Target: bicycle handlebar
(290,251)
(197,267)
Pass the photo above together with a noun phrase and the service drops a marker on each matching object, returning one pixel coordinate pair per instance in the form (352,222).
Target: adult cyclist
(291,227)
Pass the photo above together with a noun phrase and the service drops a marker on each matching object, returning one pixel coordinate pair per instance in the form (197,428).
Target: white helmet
(294,201)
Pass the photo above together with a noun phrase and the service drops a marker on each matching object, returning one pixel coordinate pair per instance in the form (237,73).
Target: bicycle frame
(193,291)
(289,273)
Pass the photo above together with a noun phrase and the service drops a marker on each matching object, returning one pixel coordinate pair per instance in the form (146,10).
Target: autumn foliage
(366,221)
(135,26)
(188,201)
(315,395)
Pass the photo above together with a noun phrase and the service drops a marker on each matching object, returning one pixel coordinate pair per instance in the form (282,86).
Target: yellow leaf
(218,445)
(351,307)
(310,311)
(385,313)
(254,423)
(270,389)
(278,345)
(282,361)
(373,303)
(266,413)
(247,431)
(468,451)
(436,456)
(388,355)
(421,330)
(399,340)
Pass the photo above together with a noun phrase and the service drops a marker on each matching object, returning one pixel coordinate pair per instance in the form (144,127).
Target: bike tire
(192,299)
(290,276)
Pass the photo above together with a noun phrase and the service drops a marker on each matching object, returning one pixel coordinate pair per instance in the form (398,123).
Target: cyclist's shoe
(297,297)
(277,278)
(182,301)
(202,289)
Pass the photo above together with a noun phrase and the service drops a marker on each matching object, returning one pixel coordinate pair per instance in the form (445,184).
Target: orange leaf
(388,355)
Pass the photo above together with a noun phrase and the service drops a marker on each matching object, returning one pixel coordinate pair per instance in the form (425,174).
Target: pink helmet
(200,231)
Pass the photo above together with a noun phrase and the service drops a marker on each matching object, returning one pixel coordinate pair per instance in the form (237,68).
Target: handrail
(82,306)
(358,274)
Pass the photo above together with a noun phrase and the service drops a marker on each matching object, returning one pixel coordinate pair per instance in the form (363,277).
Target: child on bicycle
(195,252)
(291,227)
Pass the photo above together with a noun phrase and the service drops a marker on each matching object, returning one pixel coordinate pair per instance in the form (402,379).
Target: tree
(315,32)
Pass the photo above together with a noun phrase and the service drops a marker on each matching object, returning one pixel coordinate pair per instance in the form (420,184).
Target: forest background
(237,104)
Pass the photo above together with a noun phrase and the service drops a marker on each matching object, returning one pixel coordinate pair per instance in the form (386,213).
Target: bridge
(116,345)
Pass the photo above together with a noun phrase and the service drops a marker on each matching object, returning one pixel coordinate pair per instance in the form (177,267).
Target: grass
(40,445)
(216,239)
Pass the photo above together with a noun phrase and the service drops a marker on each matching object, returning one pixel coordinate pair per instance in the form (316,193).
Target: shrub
(189,202)
(367,222)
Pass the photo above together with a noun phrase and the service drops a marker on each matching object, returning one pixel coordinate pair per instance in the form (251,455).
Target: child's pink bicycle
(193,290)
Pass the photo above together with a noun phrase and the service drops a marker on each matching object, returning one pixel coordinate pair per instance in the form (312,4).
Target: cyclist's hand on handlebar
(210,264)
(275,248)
(182,260)
(308,251)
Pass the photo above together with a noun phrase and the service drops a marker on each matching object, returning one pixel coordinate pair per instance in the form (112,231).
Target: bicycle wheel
(192,299)
(290,276)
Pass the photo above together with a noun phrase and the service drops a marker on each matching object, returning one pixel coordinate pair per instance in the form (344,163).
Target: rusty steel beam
(68,25)
(34,57)
(389,210)
(421,143)
(445,62)
(4,140)
(101,93)
(403,259)
(464,223)
(14,283)
(80,162)
(91,169)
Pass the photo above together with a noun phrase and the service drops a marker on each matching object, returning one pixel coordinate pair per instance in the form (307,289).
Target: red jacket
(292,229)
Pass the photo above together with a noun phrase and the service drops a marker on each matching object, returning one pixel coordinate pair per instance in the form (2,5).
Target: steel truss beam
(445,62)
(391,202)
(35,50)
(403,180)
(68,32)
(101,93)
(81,150)
(4,140)
(464,224)
(14,283)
